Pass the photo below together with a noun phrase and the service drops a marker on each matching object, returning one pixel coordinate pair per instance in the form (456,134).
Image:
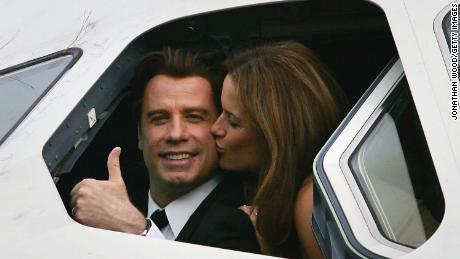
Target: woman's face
(236,141)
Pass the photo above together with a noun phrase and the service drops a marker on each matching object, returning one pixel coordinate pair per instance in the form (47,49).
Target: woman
(279,106)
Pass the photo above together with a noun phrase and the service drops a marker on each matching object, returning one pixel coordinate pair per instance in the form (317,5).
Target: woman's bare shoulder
(303,210)
(304,200)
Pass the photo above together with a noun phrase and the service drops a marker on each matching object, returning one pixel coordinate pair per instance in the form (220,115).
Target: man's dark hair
(177,63)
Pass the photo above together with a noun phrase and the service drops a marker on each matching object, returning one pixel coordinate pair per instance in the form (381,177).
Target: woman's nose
(217,130)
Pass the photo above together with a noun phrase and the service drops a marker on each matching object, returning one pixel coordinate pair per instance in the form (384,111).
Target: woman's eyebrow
(232,115)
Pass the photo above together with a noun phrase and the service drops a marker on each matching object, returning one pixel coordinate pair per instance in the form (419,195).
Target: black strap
(159,218)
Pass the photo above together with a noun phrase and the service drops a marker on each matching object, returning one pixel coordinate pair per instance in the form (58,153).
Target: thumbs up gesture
(113,165)
(105,204)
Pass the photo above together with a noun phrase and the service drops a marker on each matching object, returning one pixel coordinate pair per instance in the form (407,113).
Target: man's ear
(139,137)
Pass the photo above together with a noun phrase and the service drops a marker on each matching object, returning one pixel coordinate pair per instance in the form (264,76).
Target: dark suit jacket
(218,222)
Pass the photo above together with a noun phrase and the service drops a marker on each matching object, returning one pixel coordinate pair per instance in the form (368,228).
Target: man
(176,94)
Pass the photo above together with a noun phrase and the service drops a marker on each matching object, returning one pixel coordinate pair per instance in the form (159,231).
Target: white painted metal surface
(33,221)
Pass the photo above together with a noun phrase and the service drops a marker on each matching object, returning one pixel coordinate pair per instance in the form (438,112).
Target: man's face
(174,132)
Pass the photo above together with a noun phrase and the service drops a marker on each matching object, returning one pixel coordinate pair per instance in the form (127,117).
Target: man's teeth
(178,156)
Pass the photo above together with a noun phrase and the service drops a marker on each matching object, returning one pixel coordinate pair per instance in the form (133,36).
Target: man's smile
(178,155)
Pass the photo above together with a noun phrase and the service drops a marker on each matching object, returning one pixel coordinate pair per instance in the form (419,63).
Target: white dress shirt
(179,211)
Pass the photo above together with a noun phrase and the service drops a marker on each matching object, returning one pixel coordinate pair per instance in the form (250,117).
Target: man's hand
(105,204)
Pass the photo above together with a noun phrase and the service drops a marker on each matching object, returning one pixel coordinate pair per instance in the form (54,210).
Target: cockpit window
(23,86)
(394,169)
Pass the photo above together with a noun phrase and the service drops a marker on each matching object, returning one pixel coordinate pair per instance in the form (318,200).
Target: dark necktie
(159,218)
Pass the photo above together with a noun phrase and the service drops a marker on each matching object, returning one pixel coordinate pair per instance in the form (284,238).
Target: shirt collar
(180,210)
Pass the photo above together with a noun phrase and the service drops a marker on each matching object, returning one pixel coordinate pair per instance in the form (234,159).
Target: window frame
(352,210)
(76,53)
(443,36)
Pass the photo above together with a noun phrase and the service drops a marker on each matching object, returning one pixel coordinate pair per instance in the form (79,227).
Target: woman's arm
(303,211)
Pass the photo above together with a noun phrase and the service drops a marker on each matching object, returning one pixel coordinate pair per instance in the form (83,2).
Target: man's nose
(217,130)
(177,132)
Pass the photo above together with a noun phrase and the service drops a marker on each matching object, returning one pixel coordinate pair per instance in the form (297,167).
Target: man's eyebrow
(198,110)
(157,111)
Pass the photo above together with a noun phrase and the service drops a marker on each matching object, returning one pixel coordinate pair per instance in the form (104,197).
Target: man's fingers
(75,189)
(74,193)
(113,165)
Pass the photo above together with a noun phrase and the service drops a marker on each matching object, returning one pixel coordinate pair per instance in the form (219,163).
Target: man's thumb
(113,165)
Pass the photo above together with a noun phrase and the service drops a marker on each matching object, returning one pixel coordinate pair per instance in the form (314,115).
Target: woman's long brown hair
(293,104)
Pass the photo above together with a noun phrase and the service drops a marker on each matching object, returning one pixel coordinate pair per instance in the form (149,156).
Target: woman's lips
(219,148)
